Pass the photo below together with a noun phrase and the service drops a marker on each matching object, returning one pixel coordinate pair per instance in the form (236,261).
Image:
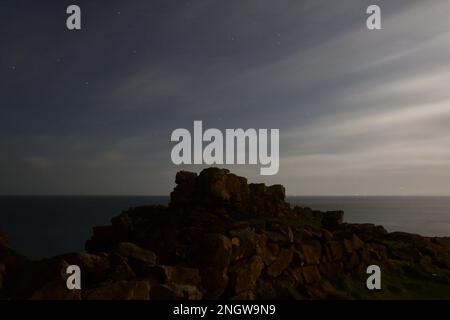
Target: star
(86,83)
(13,68)
(118,13)
(134,51)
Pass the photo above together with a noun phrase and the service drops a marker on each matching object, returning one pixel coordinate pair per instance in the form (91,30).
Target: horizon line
(168,195)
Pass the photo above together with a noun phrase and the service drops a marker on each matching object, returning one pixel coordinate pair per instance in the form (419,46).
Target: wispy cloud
(38,162)
(358,111)
(144,88)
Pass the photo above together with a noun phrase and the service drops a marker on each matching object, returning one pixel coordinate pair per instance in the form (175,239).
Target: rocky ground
(222,238)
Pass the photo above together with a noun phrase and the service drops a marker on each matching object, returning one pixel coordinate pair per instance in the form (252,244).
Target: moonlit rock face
(216,187)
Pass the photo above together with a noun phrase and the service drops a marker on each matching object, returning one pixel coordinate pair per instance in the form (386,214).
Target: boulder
(245,243)
(268,201)
(215,187)
(298,259)
(366,232)
(245,273)
(265,290)
(102,240)
(356,242)
(280,228)
(218,186)
(214,280)
(213,251)
(352,262)
(297,276)
(335,250)
(322,290)
(182,275)
(277,192)
(312,252)
(277,237)
(348,247)
(120,269)
(184,191)
(140,260)
(283,261)
(332,220)
(183,177)
(95,268)
(122,226)
(311,274)
(326,235)
(378,252)
(303,236)
(269,253)
(364,256)
(331,269)
(55,290)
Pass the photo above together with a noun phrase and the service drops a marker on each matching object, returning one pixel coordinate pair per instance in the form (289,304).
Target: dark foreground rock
(222,238)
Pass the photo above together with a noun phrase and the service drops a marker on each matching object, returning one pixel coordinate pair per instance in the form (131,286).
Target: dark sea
(46,226)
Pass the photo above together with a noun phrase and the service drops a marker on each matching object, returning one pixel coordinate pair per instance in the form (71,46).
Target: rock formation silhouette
(222,238)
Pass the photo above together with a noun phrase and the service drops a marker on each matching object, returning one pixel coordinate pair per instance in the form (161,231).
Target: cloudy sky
(91,111)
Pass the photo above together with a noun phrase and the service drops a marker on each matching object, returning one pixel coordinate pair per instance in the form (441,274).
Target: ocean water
(428,216)
(46,226)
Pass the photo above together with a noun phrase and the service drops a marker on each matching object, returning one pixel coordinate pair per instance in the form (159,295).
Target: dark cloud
(91,112)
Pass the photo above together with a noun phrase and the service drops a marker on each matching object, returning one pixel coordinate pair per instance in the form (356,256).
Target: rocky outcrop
(214,188)
(222,238)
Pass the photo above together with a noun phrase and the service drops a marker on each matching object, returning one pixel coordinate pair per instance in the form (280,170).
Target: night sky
(90,112)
